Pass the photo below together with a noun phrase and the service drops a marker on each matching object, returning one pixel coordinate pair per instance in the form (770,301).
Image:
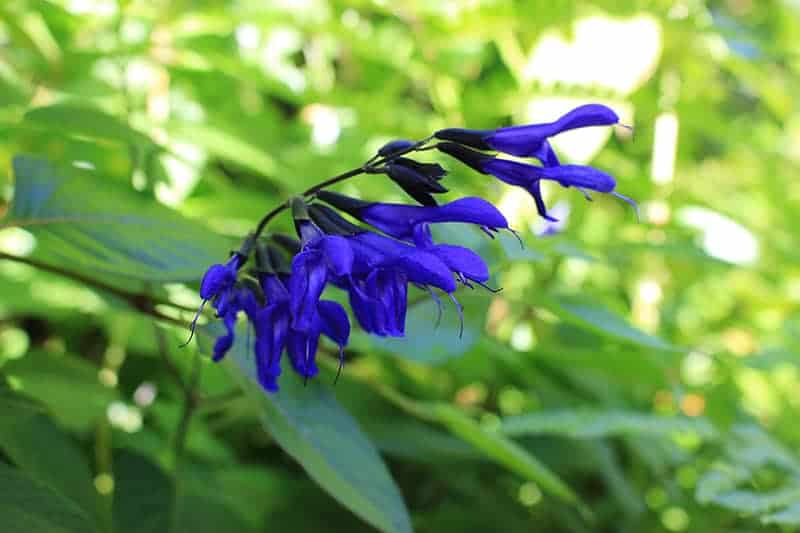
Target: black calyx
(418,180)
(299,212)
(271,260)
(332,222)
(351,206)
(434,171)
(469,157)
(288,243)
(472,138)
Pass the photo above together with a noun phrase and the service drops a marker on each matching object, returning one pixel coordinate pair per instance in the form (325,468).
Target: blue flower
(228,305)
(529,176)
(321,257)
(220,278)
(529,140)
(274,333)
(378,286)
(463,262)
(401,220)
(228,298)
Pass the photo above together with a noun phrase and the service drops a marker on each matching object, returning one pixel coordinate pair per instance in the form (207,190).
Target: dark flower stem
(145,303)
(370,167)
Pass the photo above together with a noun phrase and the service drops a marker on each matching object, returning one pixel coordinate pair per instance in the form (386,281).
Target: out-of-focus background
(631,376)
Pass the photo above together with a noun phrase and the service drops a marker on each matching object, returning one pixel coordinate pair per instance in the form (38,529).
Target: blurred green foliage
(632,376)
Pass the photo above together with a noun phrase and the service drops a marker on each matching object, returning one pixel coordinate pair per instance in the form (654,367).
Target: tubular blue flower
(528,140)
(463,262)
(219,278)
(274,334)
(228,305)
(322,256)
(529,176)
(400,220)
(219,286)
(384,267)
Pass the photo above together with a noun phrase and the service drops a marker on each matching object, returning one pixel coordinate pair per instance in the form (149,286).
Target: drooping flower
(529,140)
(529,176)
(228,305)
(219,286)
(464,263)
(322,256)
(400,220)
(274,332)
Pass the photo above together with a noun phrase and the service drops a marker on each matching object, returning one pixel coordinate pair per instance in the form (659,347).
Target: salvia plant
(373,251)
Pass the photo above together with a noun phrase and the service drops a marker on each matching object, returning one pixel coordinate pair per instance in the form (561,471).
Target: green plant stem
(370,167)
(191,401)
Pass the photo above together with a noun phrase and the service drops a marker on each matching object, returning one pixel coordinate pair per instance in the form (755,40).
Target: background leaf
(27,505)
(318,433)
(102,230)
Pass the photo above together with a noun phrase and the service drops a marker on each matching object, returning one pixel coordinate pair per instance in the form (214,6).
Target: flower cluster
(373,251)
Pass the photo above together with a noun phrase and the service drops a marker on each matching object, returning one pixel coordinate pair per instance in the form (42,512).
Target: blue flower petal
(302,348)
(271,325)
(462,260)
(526,141)
(338,254)
(399,220)
(579,176)
(334,321)
(224,342)
(305,287)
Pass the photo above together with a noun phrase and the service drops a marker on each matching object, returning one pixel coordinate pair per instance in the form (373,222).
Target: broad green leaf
(199,510)
(505,452)
(226,146)
(27,505)
(720,480)
(143,496)
(789,516)
(756,503)
(53,379)
(88,224)
(416,442)
(593,423)
(85,121)
(315,430)
(604,322)
(34,443)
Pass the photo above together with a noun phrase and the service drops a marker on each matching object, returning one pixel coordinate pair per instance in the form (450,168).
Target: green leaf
(143,495)
(27,505)
(594,423)
(505,452)
(85,121)
(605,322)
(226,146)
(34,443)
(199,510)
(89,224)
(53,379)
(756,503)
(787,517)
(311,426)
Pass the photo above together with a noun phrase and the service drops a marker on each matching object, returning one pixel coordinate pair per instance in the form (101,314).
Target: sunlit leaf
(89,225)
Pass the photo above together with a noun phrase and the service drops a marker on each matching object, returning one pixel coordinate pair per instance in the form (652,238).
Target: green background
(632,375)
